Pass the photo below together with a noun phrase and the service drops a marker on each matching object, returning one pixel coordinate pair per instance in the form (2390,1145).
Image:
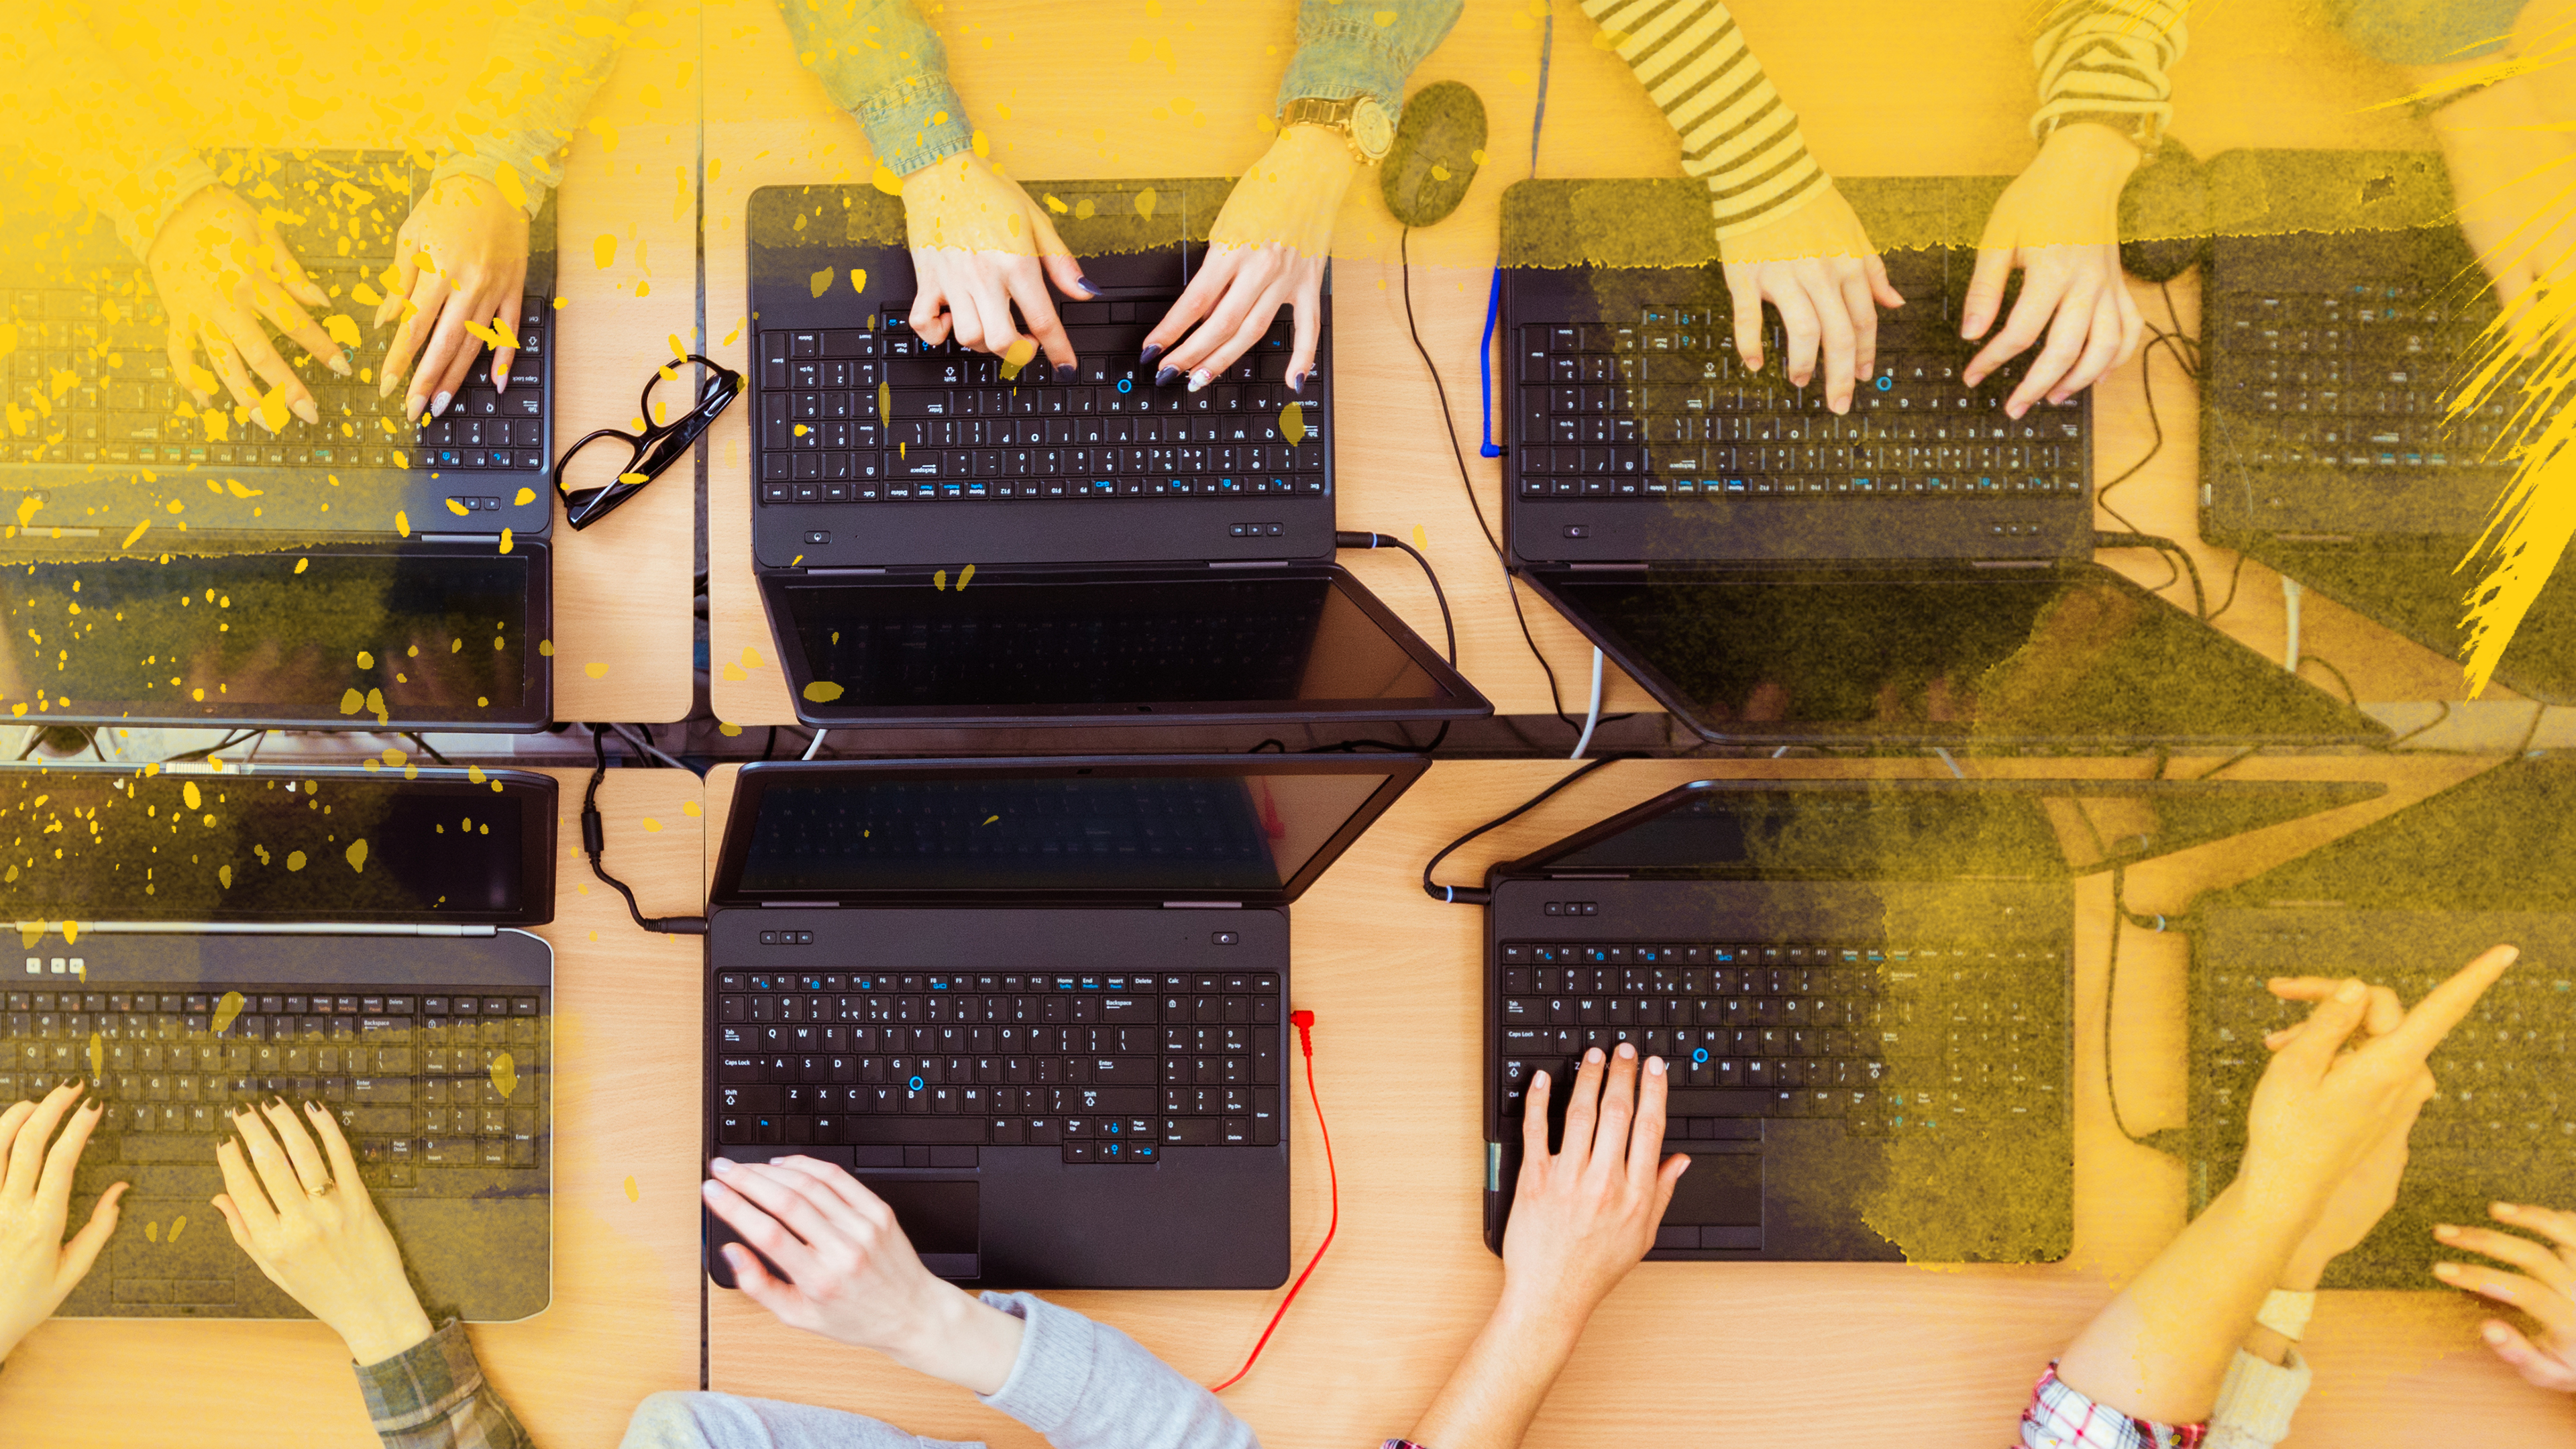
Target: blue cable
(1494,296)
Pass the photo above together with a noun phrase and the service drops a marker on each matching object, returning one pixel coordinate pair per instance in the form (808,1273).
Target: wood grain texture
(624,1319)
(1733,1354)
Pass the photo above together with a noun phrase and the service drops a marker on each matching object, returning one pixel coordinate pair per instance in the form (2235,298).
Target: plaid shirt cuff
(432,1396)
(2061,1418)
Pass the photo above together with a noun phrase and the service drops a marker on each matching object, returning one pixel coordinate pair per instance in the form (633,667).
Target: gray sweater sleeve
(1085,1385)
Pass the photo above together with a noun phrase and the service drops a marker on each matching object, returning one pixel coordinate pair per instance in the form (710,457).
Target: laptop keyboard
(877,415)
(920,1069)
(93,343)
(2358,377)
(1658,405)
(414,1079)
(1884,1039)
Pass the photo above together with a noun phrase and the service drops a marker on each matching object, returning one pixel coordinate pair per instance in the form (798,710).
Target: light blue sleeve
(881,62)
(1085,1385)
(2428,32)
(1343,51)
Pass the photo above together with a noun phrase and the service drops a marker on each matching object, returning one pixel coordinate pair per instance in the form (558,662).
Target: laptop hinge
(800,905)
(1202,905)
(1599,568)
(838,573)
(460,538)
(1249,563)
(275,928)
(2012,563)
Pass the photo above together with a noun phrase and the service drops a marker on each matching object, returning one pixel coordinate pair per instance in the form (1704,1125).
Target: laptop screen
(327,635)
(1052,644)
(1093,830)
(112,845)
(2004,655)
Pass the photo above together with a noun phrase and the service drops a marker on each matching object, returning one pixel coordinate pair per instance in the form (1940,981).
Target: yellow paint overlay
(604,251)
(300,564)
(358,852)
(885,402)
(633,1193)
(751,658)
(1421,538)
(177,1226)
(402,523)
(506,540)
(224,873)
(595,671)
(295,860)
(1292,423)
(822,691)
(965,577)
(195,798)
(939,580)
(351,702)
(151,1232)
(343,329)
(722,728)
(457,507)
(505,1074)
(1016,356)
(526,497)
(690,807)
(1145,200)
(231,1005)
(97,1056)
(821,281)
(887,182)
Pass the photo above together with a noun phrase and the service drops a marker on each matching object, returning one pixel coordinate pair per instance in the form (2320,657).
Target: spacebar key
(860,1131)
(1717,1102)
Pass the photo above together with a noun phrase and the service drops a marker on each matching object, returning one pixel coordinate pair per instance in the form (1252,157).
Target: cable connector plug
(1304,1021)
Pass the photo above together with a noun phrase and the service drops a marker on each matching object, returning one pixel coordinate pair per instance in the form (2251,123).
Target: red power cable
(1304,1021)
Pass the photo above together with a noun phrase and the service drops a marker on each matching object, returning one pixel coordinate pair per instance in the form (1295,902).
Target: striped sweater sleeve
(2108,56)
(1737,134)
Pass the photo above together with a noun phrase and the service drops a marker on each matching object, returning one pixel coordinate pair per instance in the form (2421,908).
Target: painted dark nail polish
(1146,357)
(1067,372)
(1167,377)
(1083,285)
(1297,384)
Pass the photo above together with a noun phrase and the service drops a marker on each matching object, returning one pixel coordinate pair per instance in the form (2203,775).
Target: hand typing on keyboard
(37,1268)
(850,1273)
(1581,1218)
(296,1205)
(460,261)
(2545,1289)
(218,269)
(1816,266)
(1266,251)
(979,245)
(2059,225)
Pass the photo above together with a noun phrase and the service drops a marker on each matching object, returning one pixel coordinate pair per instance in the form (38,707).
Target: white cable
(1955,772)
(815,745)
(1592,720)
(641,741)
(2290,592)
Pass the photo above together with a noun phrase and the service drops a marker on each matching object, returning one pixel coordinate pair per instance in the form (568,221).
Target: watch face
(1372,130)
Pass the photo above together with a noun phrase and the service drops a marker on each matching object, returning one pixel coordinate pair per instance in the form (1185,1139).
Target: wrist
(2304,1271)
(1316,148)
(2096,146)
(964,1341)
(388,1335)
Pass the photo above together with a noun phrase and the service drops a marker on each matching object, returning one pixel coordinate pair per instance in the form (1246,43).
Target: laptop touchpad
(940,1219)
(1720,1198)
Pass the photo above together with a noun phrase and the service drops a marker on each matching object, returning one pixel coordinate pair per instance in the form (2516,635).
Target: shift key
(388,1090)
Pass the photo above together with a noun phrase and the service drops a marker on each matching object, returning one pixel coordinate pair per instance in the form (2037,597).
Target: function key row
(915,984)
(268,1003)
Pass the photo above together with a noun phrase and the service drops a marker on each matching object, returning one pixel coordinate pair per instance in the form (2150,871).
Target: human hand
(2059,225)
(1817,267)
(2319,1110)
(2369,1190)
(1582,1217)
(218,269)
(37,1268)
(851,1273)
(310,1226)
(460,260)
(1266,251)
(2545,1289)
(980,244)
(2512,171)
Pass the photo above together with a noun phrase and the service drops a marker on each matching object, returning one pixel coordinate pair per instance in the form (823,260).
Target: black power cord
(1384,540)
(2172,1141)
(1476,895)
(594,843)
(2107,539)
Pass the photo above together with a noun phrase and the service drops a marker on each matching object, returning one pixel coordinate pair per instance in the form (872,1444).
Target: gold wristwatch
(1363,122)
(2143,129)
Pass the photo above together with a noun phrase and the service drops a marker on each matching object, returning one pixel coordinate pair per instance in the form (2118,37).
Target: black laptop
(942,541)
(201,937)
(2407,901)
(1039,1007)
(361,546)
(1864,989)
(2334,358)
(1917,570)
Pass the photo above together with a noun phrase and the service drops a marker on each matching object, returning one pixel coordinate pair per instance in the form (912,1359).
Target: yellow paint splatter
(633,1194)
(858,279)
(151,1232)
(295,860)
(965,577)
(821,281)
(652,824)
(690,807)
(1145,202)
(1058,207)
(1421,539)
(939,580)
(989,819)
(97,1056)
(343,329)
(1016,356)
(1292,423)
(595,671)
(178,1225)
(823,691)
(723,728)
(526,497)
(402,523)
(751,658)
(505,540)
(505,1074)
(231,1004)
(887,182)
(190,793)
(358,856)
(352,701)
(457,507)
(604,251)
(224,873)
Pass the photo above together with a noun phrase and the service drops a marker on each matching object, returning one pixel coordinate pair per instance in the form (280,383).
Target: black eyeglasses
(656,448)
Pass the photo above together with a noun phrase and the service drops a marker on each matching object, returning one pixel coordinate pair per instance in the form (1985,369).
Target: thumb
(83,1249)
(2325,1031)
(756,1283)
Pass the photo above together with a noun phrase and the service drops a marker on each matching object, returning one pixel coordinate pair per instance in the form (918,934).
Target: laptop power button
(818,535)
(1578,530)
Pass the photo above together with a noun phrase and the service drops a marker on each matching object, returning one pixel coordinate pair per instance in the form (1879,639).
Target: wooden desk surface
(623,638)
(624,1322)
(2268,72)
(1693,1352)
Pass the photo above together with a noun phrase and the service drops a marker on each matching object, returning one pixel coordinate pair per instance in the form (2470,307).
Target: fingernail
(2501,1209)
(2492,1333)
(2445,1231)
(306,410)
(341,366)
(438,404)
(2350,991)
(1592,1055)
(720,1167)
(1627,1050)
(1146,357)
(500,377)
(1083,285)
(1297,382)
(708,1187)
(1167,376)
(1201,378)
(1655,1065)
(1067,372)
(2446,1270)
(413,407)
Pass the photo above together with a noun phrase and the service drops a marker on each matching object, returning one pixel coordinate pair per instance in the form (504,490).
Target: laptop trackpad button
(941,1220)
